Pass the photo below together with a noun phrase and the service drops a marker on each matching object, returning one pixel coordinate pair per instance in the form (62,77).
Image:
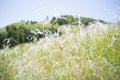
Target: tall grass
(90,53)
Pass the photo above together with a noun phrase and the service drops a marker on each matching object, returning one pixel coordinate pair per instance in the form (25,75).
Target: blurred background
(37,10)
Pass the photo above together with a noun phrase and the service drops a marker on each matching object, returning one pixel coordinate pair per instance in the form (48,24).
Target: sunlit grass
(90,53)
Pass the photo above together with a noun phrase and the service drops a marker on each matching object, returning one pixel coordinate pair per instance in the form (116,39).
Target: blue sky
(37,10)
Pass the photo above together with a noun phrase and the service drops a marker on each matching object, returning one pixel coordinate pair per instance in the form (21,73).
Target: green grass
(91,53)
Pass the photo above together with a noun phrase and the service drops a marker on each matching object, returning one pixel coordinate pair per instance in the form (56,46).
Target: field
(91,53)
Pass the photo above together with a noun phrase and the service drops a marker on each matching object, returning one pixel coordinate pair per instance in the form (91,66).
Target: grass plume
(90,53)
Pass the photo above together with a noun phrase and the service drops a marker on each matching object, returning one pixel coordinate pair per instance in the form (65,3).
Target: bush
(64,19)
(3,35)
(86,21)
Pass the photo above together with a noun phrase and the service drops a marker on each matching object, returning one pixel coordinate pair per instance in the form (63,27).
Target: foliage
(3,35)
(104,22)
(86,21)
(28,31)
(59,21)
(69,19)
(64,19)
(22,32)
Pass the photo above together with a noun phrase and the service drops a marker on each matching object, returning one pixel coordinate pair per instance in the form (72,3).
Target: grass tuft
(90,53)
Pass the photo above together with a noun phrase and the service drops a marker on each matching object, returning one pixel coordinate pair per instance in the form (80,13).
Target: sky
(37,10)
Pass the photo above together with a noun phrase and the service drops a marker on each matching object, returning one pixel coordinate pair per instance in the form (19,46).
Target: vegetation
(3,35)
(68,19)
(90,53)
(27,31)
(23,32)
(63,20)
(86,21)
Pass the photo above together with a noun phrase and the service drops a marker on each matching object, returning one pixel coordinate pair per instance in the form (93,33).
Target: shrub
(86,21)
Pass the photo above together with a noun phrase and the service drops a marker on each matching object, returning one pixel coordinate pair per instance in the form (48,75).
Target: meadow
(80,53)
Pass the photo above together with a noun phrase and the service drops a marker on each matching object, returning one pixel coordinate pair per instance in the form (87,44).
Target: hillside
(80,53)
(28,31)
(21,32)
